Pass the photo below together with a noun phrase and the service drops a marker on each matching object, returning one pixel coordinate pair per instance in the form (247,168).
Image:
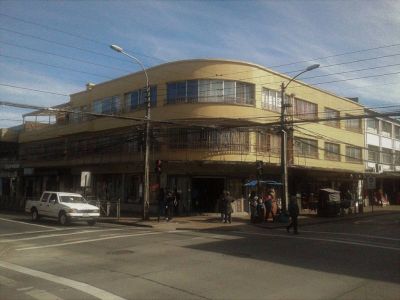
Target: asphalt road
(357,259)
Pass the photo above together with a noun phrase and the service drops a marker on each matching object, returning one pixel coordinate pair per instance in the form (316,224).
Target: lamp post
(284,167)
(146,202)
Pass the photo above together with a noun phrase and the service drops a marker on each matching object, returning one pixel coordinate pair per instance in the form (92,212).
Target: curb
(331,220)
(125,223)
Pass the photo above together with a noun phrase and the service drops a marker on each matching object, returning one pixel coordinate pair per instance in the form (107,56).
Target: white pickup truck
(65,207)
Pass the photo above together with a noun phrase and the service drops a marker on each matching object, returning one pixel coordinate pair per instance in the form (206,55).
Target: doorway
(205,193)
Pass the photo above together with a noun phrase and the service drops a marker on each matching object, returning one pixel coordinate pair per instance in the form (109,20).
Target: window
(271,100)
(387,156)
(332,151)
(397,158)
(137,99)
(372,125)
(109,105)
(353,154)
(211,90)
(386,129)
(397,132)
(353,124)
(208,90)
(306,147)
(330,114)
(305,109)
(373,153)
(263,142)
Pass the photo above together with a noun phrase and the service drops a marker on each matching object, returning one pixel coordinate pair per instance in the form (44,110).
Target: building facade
(211,121)
(382,138)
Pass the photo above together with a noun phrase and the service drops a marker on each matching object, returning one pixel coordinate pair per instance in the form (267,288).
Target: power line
(63,56)
(35,90)
(75,35)
(55,66)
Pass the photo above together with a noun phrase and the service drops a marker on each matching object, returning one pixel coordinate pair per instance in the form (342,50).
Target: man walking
(294,213)
(227,202)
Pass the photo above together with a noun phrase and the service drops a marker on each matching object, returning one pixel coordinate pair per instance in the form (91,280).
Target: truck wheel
(35,215)
(91,222)
(63,219)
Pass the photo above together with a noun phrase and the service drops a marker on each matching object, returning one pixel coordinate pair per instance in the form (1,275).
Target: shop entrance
(205,193)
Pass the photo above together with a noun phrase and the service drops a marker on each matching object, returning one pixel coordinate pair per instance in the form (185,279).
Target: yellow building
(212,120)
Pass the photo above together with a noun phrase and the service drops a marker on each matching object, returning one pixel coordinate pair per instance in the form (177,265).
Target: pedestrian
(161,204)
(294,213)
(170,205)
(221,209)
(268,207)
(253,206)
(228,200)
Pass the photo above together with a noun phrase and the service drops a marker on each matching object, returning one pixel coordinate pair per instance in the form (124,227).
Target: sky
(59,46)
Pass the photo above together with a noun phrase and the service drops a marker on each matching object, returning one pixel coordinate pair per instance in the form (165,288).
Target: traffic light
(158,166)
(259,165)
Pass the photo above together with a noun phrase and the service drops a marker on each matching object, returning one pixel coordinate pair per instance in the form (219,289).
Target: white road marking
(26,232)
(42,295)
(321,239)
(57,234)
(352,234)
(26,223)
(25,289)
(80,286)
(87,241)
(7,281)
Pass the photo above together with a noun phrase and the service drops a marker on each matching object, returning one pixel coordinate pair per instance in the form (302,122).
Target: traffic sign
(371,183)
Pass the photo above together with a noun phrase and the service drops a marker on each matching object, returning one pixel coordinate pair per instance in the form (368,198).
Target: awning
(253,183)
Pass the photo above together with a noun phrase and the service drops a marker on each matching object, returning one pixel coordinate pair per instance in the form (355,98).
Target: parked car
(65,207)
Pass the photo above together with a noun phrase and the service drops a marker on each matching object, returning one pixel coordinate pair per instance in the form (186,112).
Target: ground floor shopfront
(198,185)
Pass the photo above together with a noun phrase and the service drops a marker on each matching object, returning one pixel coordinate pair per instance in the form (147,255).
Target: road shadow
(351,260)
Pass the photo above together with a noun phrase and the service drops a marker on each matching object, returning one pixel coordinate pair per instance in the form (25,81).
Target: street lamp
(146,202)
(284,171)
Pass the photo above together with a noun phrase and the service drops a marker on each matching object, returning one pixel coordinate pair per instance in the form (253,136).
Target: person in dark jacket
(294,213)
(161,204)
(227,202)
(170,205)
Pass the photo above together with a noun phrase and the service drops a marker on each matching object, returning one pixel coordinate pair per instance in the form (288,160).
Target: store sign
(85,179)
(371,183)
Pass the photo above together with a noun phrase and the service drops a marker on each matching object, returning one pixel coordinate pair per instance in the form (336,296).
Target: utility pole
(284,164)
(146,201)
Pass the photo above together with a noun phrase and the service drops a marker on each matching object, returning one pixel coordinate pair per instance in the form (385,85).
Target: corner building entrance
(205,193)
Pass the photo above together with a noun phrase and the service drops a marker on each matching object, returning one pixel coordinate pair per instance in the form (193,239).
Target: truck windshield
(72,199)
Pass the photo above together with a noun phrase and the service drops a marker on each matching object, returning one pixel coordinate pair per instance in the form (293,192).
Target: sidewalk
(212,220)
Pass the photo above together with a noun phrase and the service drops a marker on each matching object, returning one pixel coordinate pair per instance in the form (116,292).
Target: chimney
(89,86)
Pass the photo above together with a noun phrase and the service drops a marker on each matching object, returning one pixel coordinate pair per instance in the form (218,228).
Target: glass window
(137,98)
(331,113)
(387,156)
(305,109)
(332,151)
(271,100)
(229,91)
(397,158)
(353,124)
(372,125)
(192,90)
(373,153)
(263,142)
(97,106)
(353,154)
(244,93)
(386,129)
(397,132)
(208,90)
(306,147)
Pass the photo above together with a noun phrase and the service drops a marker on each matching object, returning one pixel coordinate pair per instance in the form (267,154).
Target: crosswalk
(46,286)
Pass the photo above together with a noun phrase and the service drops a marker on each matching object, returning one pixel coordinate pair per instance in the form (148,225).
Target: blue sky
(35,36)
